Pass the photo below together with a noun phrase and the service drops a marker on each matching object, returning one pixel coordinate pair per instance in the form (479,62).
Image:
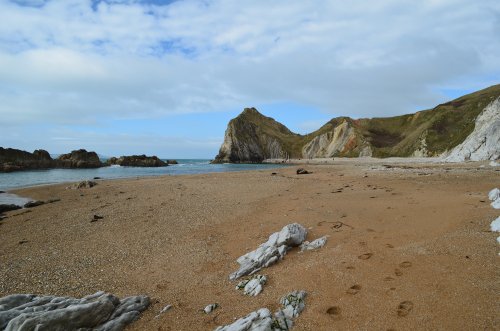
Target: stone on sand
(494,197)
(210,308)
(292,305)
(273,250)
(252,286)
(315,244)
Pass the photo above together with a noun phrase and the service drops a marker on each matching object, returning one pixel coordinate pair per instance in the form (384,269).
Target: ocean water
(19,179)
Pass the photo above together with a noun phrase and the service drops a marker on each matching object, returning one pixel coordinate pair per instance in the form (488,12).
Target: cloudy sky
(165,77)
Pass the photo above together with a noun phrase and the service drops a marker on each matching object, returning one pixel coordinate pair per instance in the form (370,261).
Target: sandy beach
(411,234)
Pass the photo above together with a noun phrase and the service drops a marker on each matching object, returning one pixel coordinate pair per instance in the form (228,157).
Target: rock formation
(137,161)
(99,312)
(484,142)
(79,159)
(270,252)
(252,286)
(15,159)
(292,305)
(252,137)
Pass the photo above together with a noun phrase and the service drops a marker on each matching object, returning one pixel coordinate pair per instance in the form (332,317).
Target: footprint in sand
(405,264)
(354,289)
(404,308)
(388,278)
(389,246)
(398,272)
(334,311)
(365,256)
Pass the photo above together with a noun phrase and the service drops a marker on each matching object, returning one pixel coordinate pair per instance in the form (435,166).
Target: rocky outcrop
(270,252)
(99,312)
(292,305)
(137,161)
(252,137)
(79,159)
(14,160)
(484,142)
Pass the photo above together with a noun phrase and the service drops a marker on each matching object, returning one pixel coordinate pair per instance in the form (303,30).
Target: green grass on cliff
(443,127)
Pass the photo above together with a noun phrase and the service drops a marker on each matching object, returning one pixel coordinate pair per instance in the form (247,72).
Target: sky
(164,78)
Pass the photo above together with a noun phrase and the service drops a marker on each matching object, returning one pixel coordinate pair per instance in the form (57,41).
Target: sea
(20,179)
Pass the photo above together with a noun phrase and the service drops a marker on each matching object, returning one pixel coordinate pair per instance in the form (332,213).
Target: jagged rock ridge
(252,137)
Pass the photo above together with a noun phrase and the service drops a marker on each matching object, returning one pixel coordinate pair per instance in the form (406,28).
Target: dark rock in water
(14,159)
(79,159)
(172,162)
(302,171)
(97,177)
(99,312)
(32,204)
(137,161)
(37,203)
(4,208)
(2,191)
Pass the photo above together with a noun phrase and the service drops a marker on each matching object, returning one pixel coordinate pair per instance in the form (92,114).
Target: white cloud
(65,62)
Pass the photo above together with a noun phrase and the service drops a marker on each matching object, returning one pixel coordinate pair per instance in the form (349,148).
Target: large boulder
(137,161)
(79,159)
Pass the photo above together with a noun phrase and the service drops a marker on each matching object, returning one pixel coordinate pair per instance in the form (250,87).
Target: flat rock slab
(99,312)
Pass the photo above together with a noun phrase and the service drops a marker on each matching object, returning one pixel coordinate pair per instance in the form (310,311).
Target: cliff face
(252,137)
(484,142)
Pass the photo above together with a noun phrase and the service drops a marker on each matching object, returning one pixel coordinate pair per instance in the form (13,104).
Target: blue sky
(165,77)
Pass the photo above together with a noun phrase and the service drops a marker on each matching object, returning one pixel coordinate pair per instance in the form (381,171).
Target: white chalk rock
(273,250)
(484,142)
(495,225)
(260,320)
(315,244)
(252,286)
(100,312)
(210,308)
(292,305)
(494,197)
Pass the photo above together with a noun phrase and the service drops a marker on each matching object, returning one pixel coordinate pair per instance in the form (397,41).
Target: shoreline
(177,238)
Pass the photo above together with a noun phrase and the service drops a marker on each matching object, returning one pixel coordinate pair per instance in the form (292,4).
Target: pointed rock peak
(251,111)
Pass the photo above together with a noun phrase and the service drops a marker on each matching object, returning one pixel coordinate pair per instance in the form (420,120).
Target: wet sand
(409,246)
